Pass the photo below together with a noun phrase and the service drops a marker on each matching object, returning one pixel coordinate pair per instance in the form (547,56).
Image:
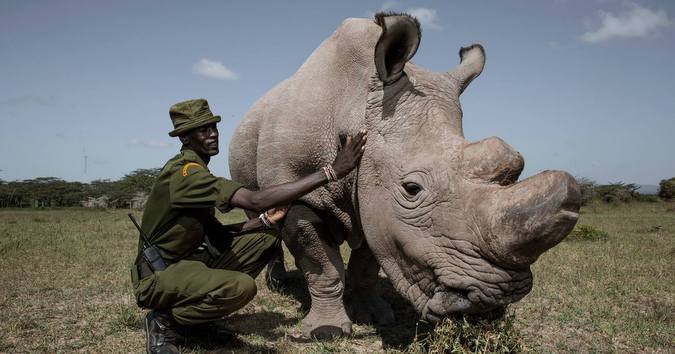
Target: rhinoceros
(446,219)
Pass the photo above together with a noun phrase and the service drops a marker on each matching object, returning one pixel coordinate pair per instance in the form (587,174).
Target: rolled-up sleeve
(195,187)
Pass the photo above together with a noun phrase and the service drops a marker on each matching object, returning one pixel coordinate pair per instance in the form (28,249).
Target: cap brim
(187,128)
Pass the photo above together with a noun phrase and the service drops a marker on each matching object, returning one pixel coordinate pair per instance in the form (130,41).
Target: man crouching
(211,267)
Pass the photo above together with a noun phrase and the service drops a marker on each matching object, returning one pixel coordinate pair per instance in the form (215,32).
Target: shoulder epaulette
(187,166)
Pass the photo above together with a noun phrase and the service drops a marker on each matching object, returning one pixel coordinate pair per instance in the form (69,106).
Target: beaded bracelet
(265,220)
(330,173)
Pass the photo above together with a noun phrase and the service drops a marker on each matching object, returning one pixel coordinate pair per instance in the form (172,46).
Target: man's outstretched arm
(283,194)
(214,227)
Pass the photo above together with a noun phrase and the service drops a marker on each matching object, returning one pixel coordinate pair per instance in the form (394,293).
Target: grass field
(64,287)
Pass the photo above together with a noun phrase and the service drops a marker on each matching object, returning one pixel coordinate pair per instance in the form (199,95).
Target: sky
(582,86)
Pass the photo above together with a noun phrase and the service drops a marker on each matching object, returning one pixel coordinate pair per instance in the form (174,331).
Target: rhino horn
(472,61)
(492,160)
(531,216)
(397,44)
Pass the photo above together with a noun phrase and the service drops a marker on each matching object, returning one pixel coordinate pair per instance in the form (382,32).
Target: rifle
(150,252)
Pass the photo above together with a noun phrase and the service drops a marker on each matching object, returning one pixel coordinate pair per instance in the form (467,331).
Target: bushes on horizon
(647,198)
(621,192)
(47,192)
(616,192)
(587,189)
(667,189)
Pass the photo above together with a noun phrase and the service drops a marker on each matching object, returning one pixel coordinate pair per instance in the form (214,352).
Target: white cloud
(148,143)
(635,22)
(554,45)
(388,5)
(426,16)
(214,69)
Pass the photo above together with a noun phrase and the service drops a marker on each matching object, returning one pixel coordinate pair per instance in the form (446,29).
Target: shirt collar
(190,155)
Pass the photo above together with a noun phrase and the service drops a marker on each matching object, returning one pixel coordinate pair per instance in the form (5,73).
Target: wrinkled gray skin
(445,218)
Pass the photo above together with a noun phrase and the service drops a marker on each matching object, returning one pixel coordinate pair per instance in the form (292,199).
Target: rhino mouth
(447,300)
(461,287)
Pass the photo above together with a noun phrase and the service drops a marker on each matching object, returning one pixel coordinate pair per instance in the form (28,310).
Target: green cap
(190,114)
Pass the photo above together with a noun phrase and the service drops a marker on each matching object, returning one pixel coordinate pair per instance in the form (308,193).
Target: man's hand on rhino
(276,214)
(349,156)
(283,194)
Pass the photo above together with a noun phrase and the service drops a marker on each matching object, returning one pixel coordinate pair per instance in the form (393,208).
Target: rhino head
(447,219)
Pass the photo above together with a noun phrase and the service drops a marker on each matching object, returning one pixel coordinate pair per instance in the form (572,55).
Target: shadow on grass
(406,325)
(293,284)
(266,324)
(217,340)
(395,336)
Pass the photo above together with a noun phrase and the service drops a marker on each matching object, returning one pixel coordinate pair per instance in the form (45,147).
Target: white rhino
(446,219)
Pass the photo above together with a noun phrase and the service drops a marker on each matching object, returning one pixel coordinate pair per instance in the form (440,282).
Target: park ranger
(210,267)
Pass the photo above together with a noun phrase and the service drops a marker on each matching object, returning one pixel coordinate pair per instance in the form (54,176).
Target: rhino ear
(472,61)
(398,43)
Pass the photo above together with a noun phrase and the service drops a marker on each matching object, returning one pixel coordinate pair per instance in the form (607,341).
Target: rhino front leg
(308,239)
(368,307)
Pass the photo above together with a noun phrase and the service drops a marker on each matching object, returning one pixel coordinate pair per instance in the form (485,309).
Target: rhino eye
(412,188)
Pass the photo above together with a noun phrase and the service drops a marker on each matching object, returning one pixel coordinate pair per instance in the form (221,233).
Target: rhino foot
(324,326)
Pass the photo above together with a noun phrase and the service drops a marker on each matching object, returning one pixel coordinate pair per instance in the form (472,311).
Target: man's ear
(184,139)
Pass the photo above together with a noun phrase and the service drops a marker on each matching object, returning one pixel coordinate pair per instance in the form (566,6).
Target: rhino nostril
(507,177)
(460,292)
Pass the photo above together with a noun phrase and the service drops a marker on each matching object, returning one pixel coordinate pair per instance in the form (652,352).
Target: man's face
(203,140)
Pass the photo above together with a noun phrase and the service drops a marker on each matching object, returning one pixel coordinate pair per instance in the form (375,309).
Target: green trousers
(205,288)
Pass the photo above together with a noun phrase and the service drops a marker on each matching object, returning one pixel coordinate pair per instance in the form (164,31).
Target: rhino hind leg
(367,305)
(307,237)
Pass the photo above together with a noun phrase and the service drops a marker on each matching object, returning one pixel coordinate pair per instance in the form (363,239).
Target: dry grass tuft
(587,233)
(489,333)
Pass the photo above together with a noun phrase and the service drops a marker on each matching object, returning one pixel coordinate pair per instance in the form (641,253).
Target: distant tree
(100,187)
(130,191)
(616,192)
(4,194)
(111,191)
(46,192)
(140,180)
(587,188)
(39,191)
(667,189)
(13,194)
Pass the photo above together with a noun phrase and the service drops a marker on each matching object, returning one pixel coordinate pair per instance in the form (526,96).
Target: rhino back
(296,127)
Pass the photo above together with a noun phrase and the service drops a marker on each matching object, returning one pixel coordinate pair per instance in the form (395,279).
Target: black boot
(160,332)
(276,275)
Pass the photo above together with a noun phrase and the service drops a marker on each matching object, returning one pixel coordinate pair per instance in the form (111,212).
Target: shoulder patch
(187,167)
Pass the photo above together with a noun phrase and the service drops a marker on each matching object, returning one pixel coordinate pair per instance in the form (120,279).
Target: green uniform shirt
(180,209)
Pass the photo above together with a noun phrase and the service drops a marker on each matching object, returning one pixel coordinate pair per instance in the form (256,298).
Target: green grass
(64,286)
(490,333)
(612,296)
(587,233)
